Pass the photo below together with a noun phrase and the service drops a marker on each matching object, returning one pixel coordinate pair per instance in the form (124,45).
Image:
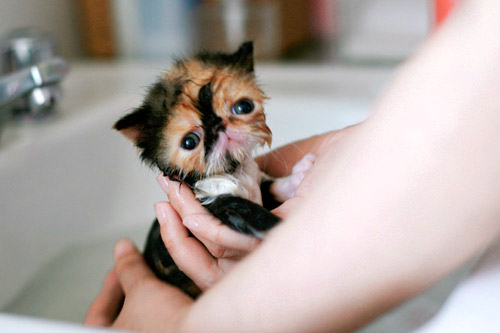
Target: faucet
(30,71)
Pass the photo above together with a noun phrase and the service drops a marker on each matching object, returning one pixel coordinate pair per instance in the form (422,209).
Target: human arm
(412,194)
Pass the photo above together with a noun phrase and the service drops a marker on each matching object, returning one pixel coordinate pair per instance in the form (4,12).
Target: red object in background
(324,21)
(441,10)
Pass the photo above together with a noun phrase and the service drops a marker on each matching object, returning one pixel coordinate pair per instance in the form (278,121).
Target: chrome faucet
(30,71)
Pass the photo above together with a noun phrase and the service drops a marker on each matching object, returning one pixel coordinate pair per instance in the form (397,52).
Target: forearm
(410,197)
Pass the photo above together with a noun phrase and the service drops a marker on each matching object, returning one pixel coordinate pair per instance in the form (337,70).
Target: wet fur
(197,96)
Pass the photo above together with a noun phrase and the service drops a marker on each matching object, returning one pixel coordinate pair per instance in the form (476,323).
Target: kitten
(199,124)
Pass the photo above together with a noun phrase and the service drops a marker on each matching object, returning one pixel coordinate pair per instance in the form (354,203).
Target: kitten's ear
(137,124)
(132,125)
(244,56)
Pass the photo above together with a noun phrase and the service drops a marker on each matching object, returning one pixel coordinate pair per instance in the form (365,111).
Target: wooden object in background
(97,28)
(286,28)
(294,22)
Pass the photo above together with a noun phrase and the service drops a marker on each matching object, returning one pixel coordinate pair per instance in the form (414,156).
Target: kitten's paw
(284,188)
(304,165)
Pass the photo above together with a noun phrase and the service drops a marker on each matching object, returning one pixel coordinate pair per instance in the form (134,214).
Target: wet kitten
(199,124)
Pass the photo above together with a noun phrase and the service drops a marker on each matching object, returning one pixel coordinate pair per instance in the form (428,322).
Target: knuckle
(165,234)
(217,251)
(214,229)
(171,246)
(217,236)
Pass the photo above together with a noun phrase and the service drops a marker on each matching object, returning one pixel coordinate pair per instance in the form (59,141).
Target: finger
(221,252)
(222,241)
(105,308)
(187,252)
(181,197)
(213,233)
(279,162)
(130,266)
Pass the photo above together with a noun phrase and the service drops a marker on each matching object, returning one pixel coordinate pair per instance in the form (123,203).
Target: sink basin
(71,186)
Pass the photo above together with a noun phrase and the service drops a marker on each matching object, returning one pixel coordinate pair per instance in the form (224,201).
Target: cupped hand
(133,298)
(214,248)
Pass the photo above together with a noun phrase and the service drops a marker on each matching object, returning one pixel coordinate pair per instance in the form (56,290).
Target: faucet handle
(26,47)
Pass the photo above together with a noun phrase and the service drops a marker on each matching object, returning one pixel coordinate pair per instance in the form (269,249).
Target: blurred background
(317,31)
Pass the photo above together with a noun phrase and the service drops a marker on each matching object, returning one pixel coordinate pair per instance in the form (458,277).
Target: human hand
(133,298)
(214,249)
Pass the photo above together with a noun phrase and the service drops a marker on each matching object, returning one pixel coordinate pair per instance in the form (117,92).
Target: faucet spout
(23,81)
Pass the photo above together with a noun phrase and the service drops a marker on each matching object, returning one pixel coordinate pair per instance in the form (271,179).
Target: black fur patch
(231,164)
(268,199)
(242,215)
(150,119)
(211,123)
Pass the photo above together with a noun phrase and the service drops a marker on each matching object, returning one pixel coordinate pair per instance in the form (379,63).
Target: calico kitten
(199,124)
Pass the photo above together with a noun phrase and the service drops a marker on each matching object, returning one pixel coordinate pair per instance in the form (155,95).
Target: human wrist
(180,322)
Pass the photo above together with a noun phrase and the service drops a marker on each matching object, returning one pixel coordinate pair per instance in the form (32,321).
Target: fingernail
(163,182)
(161,213)
(123,246)
(191,223)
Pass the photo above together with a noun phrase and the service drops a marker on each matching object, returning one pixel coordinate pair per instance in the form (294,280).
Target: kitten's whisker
(193,82)
(296,146)
(279,157)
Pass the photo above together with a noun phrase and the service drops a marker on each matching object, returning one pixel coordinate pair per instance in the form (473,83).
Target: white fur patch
(208,188)
(284,188)
(245,183)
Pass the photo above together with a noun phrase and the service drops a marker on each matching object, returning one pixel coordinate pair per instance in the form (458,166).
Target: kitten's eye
(243,106)
(190,141)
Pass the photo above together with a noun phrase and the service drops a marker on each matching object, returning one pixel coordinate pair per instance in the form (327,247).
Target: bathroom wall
(370,31)
(382,30)
(58,17)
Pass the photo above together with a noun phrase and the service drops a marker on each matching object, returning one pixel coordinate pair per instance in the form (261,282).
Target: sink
(71,186)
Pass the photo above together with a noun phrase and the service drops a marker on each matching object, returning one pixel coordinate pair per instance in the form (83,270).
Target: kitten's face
(202,118)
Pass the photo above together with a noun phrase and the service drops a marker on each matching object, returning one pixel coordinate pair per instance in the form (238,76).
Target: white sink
(71,186)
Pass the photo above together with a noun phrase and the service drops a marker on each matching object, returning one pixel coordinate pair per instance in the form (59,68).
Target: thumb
(130,266)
